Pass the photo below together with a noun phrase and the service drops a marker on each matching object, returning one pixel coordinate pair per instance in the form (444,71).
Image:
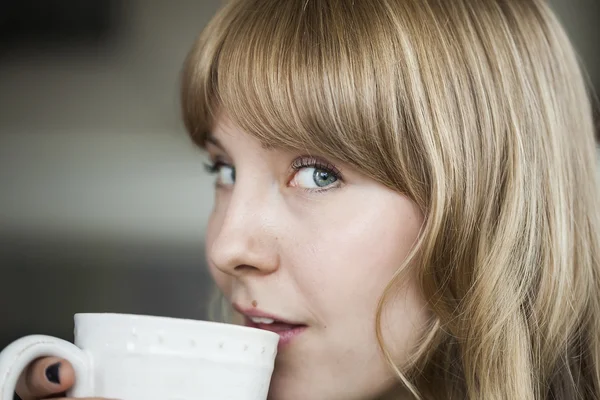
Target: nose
(246,241)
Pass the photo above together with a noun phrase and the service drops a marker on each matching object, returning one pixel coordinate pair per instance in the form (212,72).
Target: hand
(46,377)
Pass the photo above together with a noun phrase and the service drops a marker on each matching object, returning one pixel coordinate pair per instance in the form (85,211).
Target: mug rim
(178,321)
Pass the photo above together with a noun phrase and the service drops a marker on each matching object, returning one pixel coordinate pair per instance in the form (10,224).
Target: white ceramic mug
(134,357)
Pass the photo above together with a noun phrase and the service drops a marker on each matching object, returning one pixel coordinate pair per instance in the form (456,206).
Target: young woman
(406,191)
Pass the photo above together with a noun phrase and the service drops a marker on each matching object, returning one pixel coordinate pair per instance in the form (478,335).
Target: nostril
(246,268)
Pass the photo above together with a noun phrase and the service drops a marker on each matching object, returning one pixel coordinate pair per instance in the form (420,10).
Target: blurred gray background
(103,198)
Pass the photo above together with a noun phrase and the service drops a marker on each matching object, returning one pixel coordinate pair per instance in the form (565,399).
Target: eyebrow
(209,138)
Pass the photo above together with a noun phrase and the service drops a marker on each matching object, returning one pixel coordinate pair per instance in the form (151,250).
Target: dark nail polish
(52,373)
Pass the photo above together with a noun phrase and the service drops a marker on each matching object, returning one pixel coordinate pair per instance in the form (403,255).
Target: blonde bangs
(306,76)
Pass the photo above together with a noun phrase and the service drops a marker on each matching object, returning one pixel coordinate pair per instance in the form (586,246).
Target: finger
(45,377)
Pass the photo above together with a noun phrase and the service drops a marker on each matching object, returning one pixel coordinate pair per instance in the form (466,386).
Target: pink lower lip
(287,333)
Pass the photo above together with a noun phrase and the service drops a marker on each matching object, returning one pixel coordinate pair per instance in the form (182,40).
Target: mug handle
(20,353)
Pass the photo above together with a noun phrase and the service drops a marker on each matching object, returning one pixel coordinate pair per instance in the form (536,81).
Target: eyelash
(214,166)
(312,162)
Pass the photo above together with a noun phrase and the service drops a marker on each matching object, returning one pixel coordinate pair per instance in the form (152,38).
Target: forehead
(224,127)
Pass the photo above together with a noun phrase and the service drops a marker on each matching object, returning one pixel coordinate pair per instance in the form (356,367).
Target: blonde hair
(475,109)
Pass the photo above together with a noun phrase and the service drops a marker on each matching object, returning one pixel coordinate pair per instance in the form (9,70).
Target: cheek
(222,280)
(348,257)
(405,319)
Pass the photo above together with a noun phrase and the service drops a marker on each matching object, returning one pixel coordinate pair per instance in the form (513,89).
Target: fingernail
(52,373)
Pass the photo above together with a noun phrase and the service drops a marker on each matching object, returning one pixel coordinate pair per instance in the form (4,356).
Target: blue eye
(313,174)
(314,178)
(225,173)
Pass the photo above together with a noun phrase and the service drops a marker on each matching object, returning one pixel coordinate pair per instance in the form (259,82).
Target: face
(304,246)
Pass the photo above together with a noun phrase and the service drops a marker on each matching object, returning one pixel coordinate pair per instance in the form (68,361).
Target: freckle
(254,303)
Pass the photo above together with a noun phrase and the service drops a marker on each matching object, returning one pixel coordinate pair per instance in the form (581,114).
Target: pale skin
(315,242)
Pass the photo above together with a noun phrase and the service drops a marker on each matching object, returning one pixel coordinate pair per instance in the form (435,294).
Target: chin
(289,387)
(282,389)
(292,387)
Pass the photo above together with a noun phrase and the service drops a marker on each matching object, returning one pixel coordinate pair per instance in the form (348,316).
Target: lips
(287,330)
